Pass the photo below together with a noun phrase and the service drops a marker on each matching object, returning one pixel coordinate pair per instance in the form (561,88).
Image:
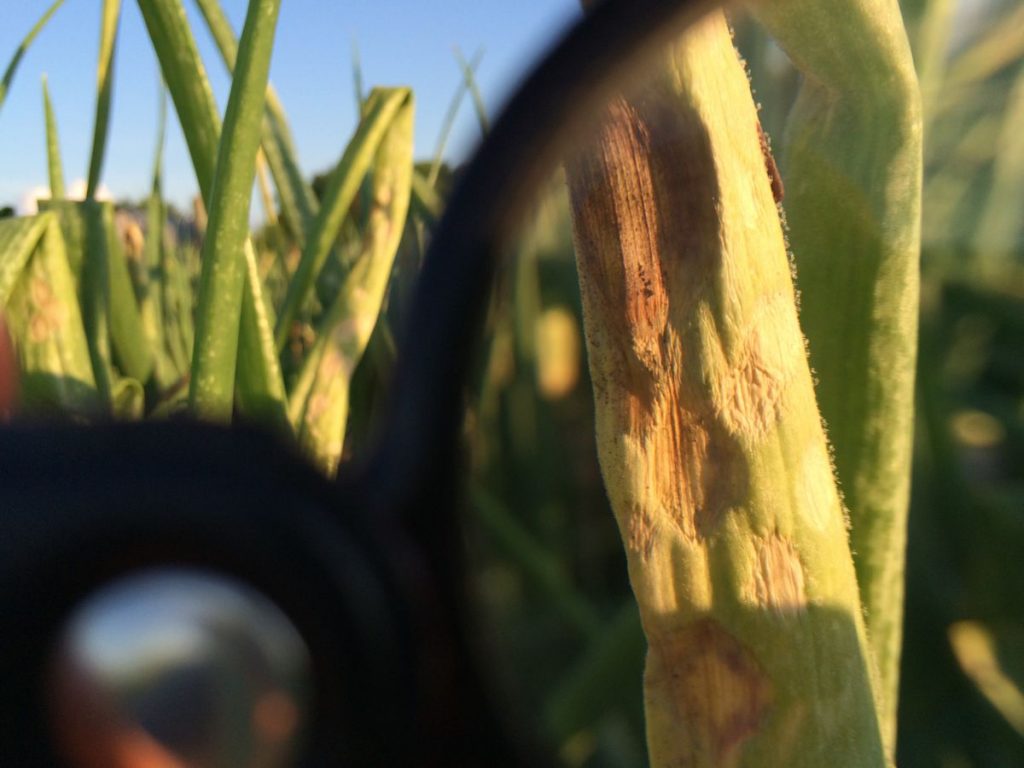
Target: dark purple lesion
(778,190)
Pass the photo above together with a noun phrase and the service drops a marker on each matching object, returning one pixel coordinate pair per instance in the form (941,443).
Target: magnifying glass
(321,623)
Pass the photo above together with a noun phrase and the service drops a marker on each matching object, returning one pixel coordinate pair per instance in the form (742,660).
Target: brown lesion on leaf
(687,470)
(693,467)
(778,576)
(748,390)
(714,686)
(646,226)
(46,310)
(616,233)
(642,532)
(774,176)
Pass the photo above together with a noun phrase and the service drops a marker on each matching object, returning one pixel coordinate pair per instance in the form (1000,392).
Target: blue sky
(401,42)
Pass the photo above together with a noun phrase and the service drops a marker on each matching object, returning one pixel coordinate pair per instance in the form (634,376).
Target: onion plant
(146,350)
(753,363)
(709,434)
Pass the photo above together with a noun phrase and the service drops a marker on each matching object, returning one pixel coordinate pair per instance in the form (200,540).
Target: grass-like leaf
(185,76)
(128,400)
(104,91)
(852,165)
(53,160)
(18,239)
(95,290)
(19,54)
(260,388)
(469,75)
(357,78)
(426,202)
(178,301)
(1002,47)
(449,120)
(931,46)
(319,403)
(537,563)
(112,316)
(40,305)
(151,305)
(1000,226)
(298,202)
(221,286)
(131,349)
(594,684)
(382,109)
(187,83)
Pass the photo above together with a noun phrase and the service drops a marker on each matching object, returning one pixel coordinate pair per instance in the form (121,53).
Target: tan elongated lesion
(778,576)
(748,387)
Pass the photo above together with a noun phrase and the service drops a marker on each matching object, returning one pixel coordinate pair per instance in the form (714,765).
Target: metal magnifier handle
(367,569)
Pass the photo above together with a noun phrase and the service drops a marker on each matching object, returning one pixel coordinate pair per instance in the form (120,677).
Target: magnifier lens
(179,668)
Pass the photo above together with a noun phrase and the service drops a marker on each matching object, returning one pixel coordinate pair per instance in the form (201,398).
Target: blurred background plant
(325,294)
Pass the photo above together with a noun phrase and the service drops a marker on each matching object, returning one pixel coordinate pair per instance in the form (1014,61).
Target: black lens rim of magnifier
(415,470)
(134,496)
(565,90)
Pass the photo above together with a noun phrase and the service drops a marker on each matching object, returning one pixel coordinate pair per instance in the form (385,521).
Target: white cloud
(28,204)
